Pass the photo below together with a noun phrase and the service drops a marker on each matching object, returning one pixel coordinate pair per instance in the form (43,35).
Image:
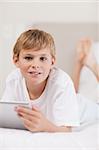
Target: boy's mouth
(34,73)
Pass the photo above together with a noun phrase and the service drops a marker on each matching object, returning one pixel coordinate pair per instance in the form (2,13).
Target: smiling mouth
(35,73)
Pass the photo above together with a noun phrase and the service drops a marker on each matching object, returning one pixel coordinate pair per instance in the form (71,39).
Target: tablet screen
(8,115)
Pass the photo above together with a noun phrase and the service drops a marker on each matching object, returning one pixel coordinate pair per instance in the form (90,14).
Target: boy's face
(35,66)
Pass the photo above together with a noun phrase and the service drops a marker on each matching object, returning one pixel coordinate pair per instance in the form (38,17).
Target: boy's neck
(35,91)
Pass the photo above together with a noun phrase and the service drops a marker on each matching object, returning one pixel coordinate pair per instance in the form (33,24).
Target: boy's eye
(28,58)
(43,58)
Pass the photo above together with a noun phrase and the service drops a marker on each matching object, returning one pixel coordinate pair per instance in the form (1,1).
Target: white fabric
(88,111)
(88,85)
(95,51)
(85,139)
(58,101)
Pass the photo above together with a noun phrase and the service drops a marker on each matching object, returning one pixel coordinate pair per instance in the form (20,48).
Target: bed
(86,138)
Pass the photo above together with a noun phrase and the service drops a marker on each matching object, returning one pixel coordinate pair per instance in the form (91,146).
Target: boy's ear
(16,60)
(53,60)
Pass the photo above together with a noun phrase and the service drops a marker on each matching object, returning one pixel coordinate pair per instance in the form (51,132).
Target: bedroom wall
(66,21)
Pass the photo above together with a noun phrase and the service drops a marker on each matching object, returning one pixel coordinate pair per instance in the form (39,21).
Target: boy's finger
(35,108)
(26,111)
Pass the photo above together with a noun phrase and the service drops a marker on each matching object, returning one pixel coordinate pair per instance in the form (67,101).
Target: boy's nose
(35,63)
(35,66)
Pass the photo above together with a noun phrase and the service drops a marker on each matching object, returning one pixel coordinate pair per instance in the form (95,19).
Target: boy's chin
(36,81)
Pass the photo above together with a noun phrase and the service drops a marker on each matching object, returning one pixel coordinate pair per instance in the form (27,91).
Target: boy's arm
(54,128)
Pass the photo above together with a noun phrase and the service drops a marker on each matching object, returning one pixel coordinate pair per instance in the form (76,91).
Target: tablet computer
(8,115)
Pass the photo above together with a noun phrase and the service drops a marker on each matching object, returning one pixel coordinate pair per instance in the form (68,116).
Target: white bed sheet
(86,139)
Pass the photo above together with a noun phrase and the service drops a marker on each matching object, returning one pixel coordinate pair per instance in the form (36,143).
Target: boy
(48,89)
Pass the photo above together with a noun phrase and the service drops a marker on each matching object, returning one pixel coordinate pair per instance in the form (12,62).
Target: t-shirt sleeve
(13,87)
(65,108)
(9,92)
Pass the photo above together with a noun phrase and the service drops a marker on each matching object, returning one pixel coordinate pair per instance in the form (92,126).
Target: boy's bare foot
(85,56)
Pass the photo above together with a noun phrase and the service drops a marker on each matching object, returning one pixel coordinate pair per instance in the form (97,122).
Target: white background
(17,16)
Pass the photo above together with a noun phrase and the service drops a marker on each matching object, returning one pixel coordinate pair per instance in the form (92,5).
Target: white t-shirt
(58,102)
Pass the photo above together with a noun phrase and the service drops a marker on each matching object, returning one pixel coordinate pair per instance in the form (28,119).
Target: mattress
(86,138)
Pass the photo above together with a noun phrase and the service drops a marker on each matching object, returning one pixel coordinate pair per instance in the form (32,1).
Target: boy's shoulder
(14,75)
(59,76)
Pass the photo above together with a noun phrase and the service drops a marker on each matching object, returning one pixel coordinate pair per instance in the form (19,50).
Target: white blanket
(86,139)
(89,86)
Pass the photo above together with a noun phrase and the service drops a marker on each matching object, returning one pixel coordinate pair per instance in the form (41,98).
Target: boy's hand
(33,119)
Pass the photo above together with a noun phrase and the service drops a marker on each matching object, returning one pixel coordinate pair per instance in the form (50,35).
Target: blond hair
(34,39)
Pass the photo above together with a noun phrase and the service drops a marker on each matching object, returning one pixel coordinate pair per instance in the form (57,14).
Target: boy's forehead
(44,51)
